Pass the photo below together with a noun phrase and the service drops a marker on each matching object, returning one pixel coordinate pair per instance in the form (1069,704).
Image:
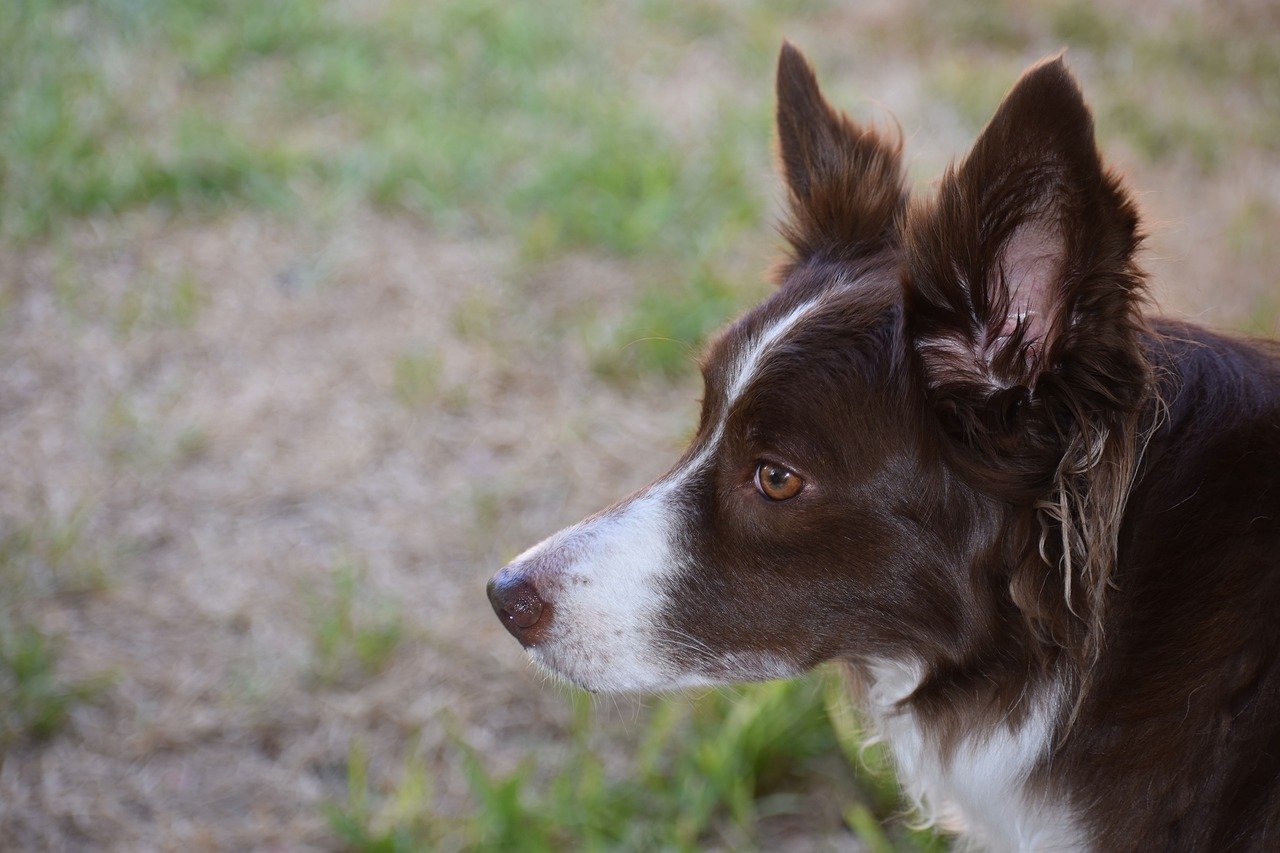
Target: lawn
(312,314)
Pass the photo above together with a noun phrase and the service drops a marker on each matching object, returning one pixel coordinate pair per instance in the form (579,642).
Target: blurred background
(312,314)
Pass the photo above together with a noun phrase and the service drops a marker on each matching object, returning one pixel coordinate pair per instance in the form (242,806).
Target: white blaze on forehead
(747,363)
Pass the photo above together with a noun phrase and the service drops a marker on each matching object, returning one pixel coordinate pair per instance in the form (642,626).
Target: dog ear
(845,181)
(1020,280)
(1022,315)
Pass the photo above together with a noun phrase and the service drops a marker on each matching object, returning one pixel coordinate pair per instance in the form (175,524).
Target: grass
(1264,316)
(403,821)
(509,118)
(534,125)
(418,382)
(993,24)
(664,330)
(1159,128)
(74,143)
(149,299)
(37,701)
(483,113)
(52,556)
(707,771)
(972,88)
(1181,118)
(1084,26)
(161,303)
(354,633)
(416,377)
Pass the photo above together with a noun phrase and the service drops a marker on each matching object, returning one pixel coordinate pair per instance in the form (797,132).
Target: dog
(1039,529)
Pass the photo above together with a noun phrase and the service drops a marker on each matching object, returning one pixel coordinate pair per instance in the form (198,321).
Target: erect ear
(1020,285)
(1022,308)
(845,181)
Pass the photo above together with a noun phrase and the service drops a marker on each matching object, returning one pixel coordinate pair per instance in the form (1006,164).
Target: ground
(315,313)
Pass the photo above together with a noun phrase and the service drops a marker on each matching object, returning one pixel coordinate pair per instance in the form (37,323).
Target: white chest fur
(979,788)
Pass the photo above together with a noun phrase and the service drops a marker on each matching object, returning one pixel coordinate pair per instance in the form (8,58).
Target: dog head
(880,437)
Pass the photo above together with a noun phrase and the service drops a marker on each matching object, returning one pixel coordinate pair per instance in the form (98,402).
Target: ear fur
(844,180)
(1022,308)
(1021,287)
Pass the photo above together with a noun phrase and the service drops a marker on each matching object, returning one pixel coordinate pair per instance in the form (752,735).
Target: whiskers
(684,641)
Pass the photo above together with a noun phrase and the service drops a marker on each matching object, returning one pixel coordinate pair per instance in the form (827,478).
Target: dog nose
(517,604)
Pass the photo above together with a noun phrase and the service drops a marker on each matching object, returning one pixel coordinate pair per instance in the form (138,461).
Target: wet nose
(517,604)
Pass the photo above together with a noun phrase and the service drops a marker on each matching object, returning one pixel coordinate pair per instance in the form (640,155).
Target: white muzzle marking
(606,577)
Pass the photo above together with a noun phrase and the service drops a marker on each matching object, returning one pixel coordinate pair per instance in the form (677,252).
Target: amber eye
(776,482)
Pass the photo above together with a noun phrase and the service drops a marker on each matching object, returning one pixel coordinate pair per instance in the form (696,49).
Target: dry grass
(214,396)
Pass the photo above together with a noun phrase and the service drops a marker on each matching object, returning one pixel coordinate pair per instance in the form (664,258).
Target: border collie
(1040,530)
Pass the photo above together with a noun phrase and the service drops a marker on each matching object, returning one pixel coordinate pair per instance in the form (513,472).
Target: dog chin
(597,670)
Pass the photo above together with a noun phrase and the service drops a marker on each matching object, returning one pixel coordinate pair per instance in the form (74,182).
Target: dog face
(874,435)
(790,518)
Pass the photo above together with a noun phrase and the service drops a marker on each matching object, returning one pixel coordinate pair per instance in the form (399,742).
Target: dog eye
(776,482)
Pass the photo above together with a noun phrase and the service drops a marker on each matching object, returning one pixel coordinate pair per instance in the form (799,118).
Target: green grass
(491,114)
(1167,75)
(504,117)
(50,555)
(73,141)
(1264,316)
(972,88)
(1162,133)
(418,382)
(36,701)
(149,300)
(401,821)
(990,23)
(1084,26)
(416,377)
(534,123)
(354,632)
(707,771)
(516,118)
(46,557)
(664,330)
(154,302)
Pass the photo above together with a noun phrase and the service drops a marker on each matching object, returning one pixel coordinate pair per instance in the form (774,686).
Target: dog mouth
(545,662)
(597,668)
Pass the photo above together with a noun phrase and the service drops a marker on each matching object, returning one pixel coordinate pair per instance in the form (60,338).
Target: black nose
(517,604)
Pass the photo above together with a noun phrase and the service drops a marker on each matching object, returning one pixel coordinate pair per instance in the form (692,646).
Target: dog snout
(518,605)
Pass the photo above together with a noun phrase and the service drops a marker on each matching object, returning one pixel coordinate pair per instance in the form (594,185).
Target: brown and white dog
(1041,530)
